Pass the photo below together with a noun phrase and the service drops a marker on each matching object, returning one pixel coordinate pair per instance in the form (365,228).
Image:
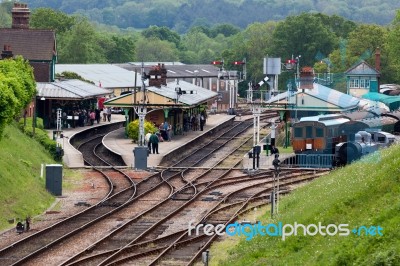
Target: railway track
(171,193)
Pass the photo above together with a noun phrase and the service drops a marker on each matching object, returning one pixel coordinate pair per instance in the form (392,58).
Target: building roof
(192,94)
(168,96)
(104,75)
(328,95)
(72,89)
(32,44)
(362,68)
(179,70)
(393,102)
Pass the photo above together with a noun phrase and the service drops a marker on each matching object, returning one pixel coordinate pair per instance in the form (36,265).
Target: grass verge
(365,193)
(22,191)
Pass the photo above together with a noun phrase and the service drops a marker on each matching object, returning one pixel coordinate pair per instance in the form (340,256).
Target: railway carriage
(320,134)
(340,136)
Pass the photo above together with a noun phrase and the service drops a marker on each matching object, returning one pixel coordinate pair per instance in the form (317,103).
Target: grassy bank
(363,194)
(22,191)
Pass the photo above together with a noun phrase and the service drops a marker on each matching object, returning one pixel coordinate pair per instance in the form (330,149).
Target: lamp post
(34,116)
(141,151)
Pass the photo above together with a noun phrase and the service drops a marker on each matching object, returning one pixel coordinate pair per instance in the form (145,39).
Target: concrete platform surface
(118,143)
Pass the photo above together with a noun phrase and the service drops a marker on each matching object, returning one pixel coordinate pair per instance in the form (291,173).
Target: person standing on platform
(92,117)
(147,138)
(105,114)
(97,112)
(166,133)
(154,142)
(109,114)
(273,133)
(202,121)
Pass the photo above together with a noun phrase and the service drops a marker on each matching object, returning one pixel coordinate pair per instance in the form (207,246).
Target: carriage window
(381,139)
(298,132)
(309,132)
(319,132)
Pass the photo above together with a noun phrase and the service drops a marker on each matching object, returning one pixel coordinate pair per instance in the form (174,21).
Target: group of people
(195,121)
(165,131)
(82,117)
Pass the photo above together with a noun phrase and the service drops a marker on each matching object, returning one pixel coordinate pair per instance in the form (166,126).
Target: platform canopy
(320,98)
(393,102)
(72,89)
(182,94)
(103,75)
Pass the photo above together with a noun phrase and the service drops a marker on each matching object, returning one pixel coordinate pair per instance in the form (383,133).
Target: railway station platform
(118,143)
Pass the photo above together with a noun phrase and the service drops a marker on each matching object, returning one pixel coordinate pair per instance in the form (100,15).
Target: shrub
(133,129)
(40,135)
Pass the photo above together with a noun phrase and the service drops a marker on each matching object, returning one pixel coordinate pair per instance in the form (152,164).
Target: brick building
(35,45)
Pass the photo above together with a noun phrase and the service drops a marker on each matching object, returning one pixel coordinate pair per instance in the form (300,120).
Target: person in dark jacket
(154,142)
(274,150)
(97,115)
(276,162)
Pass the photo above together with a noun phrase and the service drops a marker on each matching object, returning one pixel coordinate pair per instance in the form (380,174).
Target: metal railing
(310,161)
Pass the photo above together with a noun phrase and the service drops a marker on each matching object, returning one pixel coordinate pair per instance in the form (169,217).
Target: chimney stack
(6,53)
(378,65)
(378,59)
(158,76)
(20,16)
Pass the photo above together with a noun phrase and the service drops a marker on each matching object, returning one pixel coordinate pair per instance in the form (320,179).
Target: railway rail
(150,206)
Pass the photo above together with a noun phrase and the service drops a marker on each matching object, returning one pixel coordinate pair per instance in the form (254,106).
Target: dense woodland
(181,15)
(323,41)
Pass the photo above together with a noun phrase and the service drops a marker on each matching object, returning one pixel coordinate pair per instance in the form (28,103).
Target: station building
(175,101)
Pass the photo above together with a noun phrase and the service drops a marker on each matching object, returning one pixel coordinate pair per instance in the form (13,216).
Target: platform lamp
(35,109)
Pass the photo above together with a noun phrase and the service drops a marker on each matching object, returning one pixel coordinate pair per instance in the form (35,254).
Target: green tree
(17,88)
(154,50)
(5,14)
(252,44)
(393,49)
(47,18)
(360,45)
(82,44)
(163,33)
(224,29)
(303,35)
(122,50)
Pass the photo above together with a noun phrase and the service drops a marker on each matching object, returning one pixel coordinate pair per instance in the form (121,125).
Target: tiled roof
(362,68)
(32,44)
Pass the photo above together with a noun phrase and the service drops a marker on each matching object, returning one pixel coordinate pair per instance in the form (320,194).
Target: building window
(367,83)
(362,83)
(356,83)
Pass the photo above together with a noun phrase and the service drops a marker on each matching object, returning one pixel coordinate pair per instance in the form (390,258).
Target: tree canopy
(17,89)
(181,15)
